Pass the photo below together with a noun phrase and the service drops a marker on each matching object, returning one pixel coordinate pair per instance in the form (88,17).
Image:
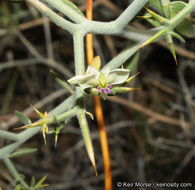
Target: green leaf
(156,5)
(33,181)
(61,82)
(165,2)
(177,36)
(22,151)
(153,22)
(175,8)
(18,187)
(73,6)
(132,62)
(102,80)
(23,118)
(185,28)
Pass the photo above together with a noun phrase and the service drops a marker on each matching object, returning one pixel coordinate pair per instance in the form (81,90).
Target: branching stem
(15,173)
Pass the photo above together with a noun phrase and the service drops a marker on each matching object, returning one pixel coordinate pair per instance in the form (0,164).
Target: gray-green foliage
(175,16)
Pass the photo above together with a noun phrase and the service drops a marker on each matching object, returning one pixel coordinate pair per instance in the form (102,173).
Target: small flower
(100,82)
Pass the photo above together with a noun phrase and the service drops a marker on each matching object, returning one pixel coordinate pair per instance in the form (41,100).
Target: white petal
(84,81)
(106,71)
(117,76)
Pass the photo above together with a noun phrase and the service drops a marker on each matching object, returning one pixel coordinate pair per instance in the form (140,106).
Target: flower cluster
(103,83)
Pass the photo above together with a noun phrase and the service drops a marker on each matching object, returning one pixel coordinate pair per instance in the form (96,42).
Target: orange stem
(98,107)
(104,143)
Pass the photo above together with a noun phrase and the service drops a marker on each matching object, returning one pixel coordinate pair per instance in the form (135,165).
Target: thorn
(131,89)
(171,46)
(56,140)
(37,111)
(132,77)
(90,115)
(20,128)
(92,158)
(175,58)
(30,125)
(157,16)
(153,38)
(44,131)
(95,169)
(44,138)
(145,16)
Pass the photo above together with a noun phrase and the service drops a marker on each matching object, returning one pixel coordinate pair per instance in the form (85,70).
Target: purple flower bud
(107,91)
(102,90)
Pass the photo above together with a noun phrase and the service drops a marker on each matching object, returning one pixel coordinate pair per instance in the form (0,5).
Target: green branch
(114,27)
(28,133)
(66,10)
(58,20)
(9,135)
(15,173)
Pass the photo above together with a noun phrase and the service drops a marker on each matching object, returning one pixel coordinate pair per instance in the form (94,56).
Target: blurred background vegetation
(151,131)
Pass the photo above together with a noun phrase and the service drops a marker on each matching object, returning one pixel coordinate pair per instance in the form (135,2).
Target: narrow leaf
(132,62)
(73,6)
(23,118)
(61,82)
(178,36)
(40,183)
(153,22)
(186,27)
(22,151)
(156,5)
(33,181)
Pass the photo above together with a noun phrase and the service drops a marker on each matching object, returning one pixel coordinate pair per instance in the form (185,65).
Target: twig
(48,39)
(184,162)
(186,92)
(38,105)
(146,111)
(49,62)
